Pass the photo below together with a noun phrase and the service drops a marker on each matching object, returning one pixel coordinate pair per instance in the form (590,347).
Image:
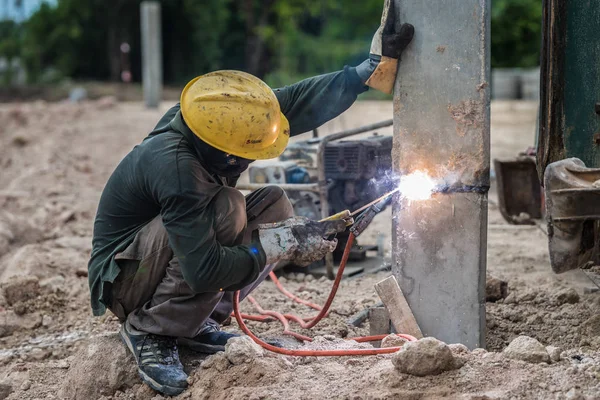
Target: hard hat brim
(273,151)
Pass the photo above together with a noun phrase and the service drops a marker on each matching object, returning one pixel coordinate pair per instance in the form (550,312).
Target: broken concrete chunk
(495,289)
(100,369)
(18,289)
(393,341)
(527,349)
(424,357)
(566,296)
(239,350)
(10,322)
(554,353)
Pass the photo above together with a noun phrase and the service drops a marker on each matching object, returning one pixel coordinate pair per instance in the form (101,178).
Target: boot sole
(164,389)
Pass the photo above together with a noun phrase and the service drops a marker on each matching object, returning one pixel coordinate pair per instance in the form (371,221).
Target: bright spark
(416,186)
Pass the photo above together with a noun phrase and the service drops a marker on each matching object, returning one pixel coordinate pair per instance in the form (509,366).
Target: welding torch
(364,215)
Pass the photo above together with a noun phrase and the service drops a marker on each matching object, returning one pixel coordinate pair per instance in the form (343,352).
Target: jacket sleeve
(311,102)
(188,216)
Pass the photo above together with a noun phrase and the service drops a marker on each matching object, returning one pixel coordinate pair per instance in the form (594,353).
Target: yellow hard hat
(236,113)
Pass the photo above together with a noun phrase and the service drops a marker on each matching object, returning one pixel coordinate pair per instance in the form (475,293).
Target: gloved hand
(379,71)
(298,239)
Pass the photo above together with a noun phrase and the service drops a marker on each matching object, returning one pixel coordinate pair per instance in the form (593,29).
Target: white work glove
(379,71)
(298,240)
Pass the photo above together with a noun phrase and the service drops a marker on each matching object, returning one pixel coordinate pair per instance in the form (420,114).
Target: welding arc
(313,321)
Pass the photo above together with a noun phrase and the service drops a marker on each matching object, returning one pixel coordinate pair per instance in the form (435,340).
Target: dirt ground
(55,159)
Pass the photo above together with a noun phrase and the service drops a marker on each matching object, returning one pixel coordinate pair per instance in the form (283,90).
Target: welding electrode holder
(366,217)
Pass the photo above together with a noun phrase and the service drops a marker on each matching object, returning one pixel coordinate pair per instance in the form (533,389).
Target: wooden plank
(400,313)
(379,323)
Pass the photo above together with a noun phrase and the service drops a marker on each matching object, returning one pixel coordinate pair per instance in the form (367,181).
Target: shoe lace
(158,349)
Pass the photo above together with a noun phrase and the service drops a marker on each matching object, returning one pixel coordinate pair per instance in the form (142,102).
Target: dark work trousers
(150,292)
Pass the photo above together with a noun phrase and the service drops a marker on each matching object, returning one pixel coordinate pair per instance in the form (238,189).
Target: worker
(173,238)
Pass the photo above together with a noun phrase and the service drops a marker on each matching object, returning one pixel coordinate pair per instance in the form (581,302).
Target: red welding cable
(281,318)
(291,295)
(336,284)
(303,353)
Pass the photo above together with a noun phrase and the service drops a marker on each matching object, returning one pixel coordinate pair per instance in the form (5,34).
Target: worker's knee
(230,215)
(268,204)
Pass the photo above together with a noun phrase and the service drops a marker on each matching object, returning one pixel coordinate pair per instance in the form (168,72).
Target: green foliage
(10,46)
(279,40)
(516,33)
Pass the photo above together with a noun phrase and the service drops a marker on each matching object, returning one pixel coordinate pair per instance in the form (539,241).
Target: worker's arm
(188,215)
(311,102)
(208,266)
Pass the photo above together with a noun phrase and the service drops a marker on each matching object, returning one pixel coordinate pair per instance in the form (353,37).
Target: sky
(8,9)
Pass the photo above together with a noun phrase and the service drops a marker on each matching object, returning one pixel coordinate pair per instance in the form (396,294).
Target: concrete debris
(427,356)
(100,369)
(239,350)
(393,341)
(19,289)
(527,349)
(495,289)
(566,296)
(554,353)
(10,322)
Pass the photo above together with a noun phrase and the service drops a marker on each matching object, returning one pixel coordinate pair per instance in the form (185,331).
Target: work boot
(210,340)
(157,359)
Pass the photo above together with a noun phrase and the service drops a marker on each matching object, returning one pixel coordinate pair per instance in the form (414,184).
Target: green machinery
(567,163)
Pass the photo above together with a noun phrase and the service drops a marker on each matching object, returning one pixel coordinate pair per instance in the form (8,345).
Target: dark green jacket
(164,175)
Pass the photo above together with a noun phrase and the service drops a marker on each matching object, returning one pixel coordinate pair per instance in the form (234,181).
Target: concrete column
(151,52)
(442,126)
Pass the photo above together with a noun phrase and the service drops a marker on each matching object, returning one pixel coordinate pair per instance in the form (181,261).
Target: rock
(495,289)
(10,322)
(393,341)
(18,289)
(424,357)
(26,385)
(574,394)
(566,296)
(53,284)
(46,320)
(458,348)
(527,349)
(5,390)
(218,361)
(554,353)
(100,369)
(511,298)
(241,349)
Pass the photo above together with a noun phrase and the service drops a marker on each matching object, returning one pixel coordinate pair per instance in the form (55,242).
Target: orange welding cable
(281,318)
(291,295)
(303,353)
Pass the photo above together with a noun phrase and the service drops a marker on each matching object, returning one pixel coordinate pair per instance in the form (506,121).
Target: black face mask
(221,163)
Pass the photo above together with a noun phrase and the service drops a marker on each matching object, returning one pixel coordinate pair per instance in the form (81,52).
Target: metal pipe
(322,181)
(300,187)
